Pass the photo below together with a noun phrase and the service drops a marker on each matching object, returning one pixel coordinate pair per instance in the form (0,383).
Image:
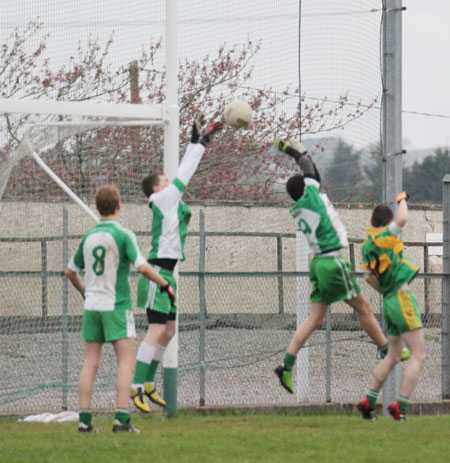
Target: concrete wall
(23,296)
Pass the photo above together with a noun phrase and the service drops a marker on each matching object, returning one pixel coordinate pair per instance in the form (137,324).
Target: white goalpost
(171,161)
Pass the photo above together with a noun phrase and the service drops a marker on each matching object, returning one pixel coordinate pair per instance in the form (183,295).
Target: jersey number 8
(99,253)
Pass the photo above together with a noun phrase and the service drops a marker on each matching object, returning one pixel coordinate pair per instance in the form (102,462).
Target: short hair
(295,186)
(107,199)
(382,215)
(149,182)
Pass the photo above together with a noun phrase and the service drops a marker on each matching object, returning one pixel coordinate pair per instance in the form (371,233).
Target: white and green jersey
(170,214)
(105,253)
(318,219)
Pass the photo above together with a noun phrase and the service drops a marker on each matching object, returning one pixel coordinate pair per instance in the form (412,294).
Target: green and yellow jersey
(382,254)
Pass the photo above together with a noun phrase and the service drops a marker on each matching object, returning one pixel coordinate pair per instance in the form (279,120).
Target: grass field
(244,438)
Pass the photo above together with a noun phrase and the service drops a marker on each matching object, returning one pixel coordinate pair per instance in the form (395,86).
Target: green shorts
(107,326)
(332,279)
(401,312)
(150,296)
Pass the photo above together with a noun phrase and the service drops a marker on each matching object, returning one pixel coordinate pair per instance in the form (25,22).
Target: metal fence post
(302,292)
(446,290)
(351,248)
(65,306)
(426,285)
(280,279)
(328,357)
(202,315)
(44,293)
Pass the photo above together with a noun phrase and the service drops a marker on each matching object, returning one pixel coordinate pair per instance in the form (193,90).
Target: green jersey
(105,253)
(382,254)
(170,214)
(318,219)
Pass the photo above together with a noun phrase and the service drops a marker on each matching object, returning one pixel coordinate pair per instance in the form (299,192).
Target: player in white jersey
(169,230)
(330,274)
(105,254)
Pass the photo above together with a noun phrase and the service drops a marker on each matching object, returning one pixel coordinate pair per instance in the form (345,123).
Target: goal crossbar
(97,124)
(68,108)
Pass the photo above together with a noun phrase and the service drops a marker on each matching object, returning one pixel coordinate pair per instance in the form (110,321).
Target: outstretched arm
(402,210)
(190,162)
(196,148)
(300,154)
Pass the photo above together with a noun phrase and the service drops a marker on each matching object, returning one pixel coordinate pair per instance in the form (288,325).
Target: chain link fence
(238,304)
(310,70)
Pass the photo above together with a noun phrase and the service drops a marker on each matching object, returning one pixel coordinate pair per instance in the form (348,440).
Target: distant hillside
(416,156)
(329,144)
(323,158)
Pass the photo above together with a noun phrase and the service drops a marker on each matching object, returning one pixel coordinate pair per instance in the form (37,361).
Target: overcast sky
(426,73)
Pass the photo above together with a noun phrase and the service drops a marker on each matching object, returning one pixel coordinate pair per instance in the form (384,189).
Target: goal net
(49,174)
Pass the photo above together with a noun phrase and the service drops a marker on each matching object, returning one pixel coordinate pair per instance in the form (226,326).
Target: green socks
(157,358)
(86,417)
(372,395)
(140,372)
(289,361)
(144,358)
(403,403)
(123,415)
(151,372)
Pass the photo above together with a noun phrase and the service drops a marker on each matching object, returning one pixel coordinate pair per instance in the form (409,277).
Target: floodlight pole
(171,157)
(392,136)
(446,291)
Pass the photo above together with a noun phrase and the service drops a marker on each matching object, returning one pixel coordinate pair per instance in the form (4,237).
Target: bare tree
(238,166)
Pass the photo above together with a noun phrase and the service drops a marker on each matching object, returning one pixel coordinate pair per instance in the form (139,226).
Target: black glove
(210,132)
(294,149)
(199,122)
(170,292)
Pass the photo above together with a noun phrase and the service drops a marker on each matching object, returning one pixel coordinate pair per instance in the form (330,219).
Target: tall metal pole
(446,291)
(65,311)
(392,134)
(202,292)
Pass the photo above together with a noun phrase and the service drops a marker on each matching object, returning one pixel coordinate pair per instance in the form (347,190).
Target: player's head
(295,186)
(154,183)
(107,200)
(382,215)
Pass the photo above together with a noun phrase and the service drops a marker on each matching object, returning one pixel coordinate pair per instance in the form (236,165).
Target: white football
(237,114)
